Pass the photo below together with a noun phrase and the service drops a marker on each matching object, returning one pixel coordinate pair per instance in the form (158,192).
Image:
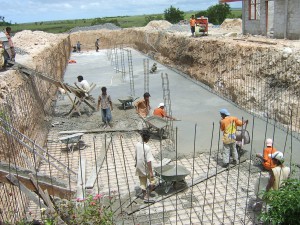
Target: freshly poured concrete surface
(191,103)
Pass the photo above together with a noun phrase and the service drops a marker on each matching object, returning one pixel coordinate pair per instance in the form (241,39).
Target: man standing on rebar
(97,44)
(10,48)
(142,106)
(192,25)
(228,125)
(144,160)
(105,102)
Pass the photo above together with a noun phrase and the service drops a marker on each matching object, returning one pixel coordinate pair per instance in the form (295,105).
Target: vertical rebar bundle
(167,102)
(146,75)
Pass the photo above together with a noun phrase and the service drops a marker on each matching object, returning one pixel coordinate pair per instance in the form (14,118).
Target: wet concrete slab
(191,103)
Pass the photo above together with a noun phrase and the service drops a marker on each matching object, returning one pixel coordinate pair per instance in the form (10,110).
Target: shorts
(193,29)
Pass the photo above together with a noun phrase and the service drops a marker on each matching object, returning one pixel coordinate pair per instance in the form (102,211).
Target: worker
(228,125)
(144,163)
(192,25)
(10,49)
(97,44)
(83,84)
(142,106)
(160,111)
(78,46)
(153,68)
(2,60)
(105,102)
(267,162)
(279,173)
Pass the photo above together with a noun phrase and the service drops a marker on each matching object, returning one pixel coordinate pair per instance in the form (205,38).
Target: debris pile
(106,26)
(232,23)
(158,25)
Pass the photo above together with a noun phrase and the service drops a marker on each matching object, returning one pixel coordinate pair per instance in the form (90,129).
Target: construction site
(54,147)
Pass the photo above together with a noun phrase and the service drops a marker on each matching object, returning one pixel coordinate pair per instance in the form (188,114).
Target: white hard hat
(161,104)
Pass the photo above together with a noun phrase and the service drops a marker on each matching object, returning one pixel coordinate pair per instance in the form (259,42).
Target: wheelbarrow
(156,124)
(170,176)
(73,141)
(127,101)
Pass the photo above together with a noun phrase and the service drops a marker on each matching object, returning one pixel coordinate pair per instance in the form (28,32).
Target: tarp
(3,37)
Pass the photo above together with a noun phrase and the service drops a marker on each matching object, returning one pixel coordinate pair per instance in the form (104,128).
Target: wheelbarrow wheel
(81,145)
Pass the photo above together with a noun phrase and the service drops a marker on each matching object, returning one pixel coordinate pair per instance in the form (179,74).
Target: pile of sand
(158,25)
(231,23)
(36,41)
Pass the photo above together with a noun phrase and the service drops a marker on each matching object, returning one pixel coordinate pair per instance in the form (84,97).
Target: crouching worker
(144,160)
(267,161)
(153,68)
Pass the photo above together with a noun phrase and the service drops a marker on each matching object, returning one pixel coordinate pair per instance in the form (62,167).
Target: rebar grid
(146,75)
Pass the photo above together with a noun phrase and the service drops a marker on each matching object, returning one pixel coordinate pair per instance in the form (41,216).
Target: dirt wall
(26,101)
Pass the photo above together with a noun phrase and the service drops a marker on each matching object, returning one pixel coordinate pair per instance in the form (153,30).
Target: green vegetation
(284,204)
(173,15)
(61,26)
(217,13)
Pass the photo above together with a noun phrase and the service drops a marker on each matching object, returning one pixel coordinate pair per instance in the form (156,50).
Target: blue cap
(225,112)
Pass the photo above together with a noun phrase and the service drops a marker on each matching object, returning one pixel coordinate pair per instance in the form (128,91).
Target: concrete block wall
(254,27)
(290,23)
(293,24)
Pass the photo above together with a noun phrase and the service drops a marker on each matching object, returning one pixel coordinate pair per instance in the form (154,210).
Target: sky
(23,11)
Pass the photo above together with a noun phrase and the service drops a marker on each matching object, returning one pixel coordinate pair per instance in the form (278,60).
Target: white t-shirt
(280,174)
(84,85)
(143,156)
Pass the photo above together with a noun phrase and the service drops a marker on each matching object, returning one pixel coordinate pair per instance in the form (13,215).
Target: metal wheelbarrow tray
(71,140)
(157,124)
(127,101)
(169,175)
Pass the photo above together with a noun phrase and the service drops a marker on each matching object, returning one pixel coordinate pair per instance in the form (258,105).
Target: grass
(62,26)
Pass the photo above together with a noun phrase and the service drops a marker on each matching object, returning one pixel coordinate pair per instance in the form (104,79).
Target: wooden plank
(48,200)
(98,131)
(41,193)
(31,195)
(55,190)
(81,179)
(96,167)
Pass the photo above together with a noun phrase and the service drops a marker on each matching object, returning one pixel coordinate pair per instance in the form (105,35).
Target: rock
(286,52)
(231,34)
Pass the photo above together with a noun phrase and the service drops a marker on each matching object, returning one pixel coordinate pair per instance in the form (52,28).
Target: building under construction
(55,150)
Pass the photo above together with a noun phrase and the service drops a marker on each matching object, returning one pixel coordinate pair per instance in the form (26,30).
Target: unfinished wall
(258,26)
(286,20)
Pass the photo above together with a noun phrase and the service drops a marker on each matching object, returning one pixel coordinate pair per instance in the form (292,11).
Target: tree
(201,13)
(173,15)
(216,14)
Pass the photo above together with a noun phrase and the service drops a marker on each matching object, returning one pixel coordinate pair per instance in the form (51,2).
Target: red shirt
(268,162)
(159,112)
